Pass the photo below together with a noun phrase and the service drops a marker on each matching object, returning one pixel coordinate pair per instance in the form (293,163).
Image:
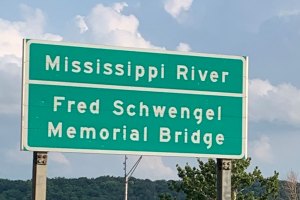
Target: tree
(200,183)
(291,185)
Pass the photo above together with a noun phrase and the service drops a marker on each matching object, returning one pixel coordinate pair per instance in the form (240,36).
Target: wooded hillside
(101,188)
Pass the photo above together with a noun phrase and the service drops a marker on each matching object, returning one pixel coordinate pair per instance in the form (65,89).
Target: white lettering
(202,75)
(172,112)
(164,135)
(87,131)
(195,138)
(54,131)
(220,139)
(224,74)
(88,67)
(107,69)
(210,114)
(81,107)
(159,111)
(53,64)
(198,115)
(134,136)
(94,107)
(76,66)
(56,102)
(71,132)
(118,105)
(139,72)
(207,138)
(182,70)
(214,76)
(153,72)
(104,134)
(70,104)
(129,110)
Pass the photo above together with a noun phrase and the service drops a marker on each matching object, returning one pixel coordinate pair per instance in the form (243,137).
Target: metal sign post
(39,175)
(223,179)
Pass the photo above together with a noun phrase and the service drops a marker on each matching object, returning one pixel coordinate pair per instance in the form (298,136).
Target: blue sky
(266,31)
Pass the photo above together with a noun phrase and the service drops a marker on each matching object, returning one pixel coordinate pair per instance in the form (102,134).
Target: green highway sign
(102,99)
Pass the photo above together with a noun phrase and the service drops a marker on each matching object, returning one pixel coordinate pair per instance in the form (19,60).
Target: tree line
(101,188)
(194,183)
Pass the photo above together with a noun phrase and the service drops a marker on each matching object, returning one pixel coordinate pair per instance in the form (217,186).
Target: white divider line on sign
(135,88)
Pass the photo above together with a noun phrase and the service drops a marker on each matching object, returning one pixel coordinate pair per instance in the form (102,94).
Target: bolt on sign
(103,99)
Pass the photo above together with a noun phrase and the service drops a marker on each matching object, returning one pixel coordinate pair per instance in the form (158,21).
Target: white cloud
(34,24)
(183,47)
(81,24)
(34,21)
(261,149)
(118,7)
(58,158)
(11,35)
(152,167)
(176,7)
(12,32)
(280,103)
(10,38)
(107,25)
(10,85)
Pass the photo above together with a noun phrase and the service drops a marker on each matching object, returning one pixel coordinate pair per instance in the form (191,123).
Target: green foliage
(101,188)
(20,190)
(252,185)
(200,183)
(192,181)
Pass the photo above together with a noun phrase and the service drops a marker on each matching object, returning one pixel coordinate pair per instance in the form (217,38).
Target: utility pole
(125,178)
(129,174)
